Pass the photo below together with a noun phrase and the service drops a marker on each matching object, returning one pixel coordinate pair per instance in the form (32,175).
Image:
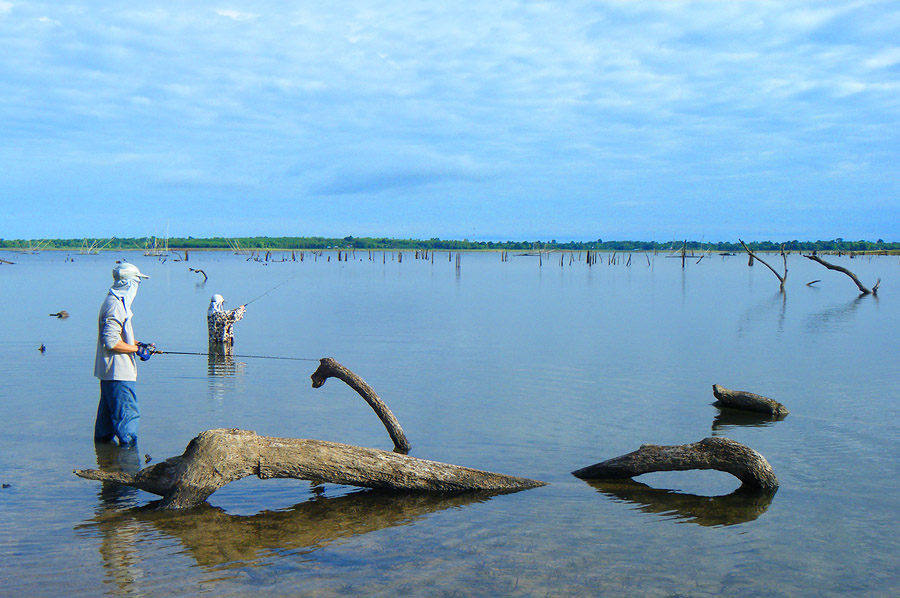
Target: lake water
(520,367)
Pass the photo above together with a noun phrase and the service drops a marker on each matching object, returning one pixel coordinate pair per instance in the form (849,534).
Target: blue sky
(706,120)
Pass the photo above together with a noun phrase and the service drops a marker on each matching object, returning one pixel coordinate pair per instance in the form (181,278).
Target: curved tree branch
(329,368)
(781,278)
(862,288)
(717,453)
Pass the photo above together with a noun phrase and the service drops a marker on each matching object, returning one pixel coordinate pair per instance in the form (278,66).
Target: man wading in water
(114,365)
(221,325)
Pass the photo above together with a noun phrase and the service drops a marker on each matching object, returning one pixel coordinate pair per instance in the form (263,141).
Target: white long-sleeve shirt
(113,325)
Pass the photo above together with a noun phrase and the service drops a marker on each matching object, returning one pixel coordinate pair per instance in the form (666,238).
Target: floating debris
(61,314)
(42,348)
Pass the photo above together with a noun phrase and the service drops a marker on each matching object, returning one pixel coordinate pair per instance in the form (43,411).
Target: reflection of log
(740,506)
(738,418)
(717,453)
(328,368)
(217,457)
(853,277)
(738,399)
(753,256)
(213,537)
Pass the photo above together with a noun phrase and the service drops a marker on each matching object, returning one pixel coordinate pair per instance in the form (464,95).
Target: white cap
(126,271)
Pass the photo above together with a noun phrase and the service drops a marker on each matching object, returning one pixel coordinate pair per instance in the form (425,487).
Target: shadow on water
(740,506)
(217,540)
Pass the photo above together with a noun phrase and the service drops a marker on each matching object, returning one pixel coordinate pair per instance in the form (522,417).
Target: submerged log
(721,454)
(217,457)
(738,399)
(329,368)
(862,288)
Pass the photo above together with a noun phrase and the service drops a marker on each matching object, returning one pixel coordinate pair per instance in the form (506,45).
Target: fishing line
(231,355)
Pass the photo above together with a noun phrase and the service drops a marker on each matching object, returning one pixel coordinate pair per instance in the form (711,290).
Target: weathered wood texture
(862,288)
(217,457)
(738,399)
(721,454)
(329,368)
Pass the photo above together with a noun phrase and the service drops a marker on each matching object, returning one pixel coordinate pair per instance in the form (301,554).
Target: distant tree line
(385,243)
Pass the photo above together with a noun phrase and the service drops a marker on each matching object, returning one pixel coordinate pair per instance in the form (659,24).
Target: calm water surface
(528,369)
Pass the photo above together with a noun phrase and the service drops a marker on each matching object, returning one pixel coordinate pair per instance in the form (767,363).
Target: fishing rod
(270,290)
(158,351)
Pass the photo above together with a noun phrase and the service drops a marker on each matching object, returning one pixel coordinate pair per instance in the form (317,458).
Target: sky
(503,120)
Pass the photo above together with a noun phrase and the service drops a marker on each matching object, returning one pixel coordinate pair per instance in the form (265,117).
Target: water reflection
(777,303)
(835,317)
(112,457)
(223,371)
(216,539)
(740,506)
(729,418)
(118,546)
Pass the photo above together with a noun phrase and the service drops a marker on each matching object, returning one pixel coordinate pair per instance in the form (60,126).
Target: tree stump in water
(738,399)
(721,454)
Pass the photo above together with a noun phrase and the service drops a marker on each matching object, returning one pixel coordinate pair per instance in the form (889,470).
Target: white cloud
(236,15)
(884,59)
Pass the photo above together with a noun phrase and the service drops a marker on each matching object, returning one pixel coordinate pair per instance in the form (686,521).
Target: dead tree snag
(721,454)
(862,288)
(781,278)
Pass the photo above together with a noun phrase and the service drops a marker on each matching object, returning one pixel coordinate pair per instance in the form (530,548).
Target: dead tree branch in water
(853,277)
(738,399)
(721,454)
(753,256)
(329,368)
(217,457)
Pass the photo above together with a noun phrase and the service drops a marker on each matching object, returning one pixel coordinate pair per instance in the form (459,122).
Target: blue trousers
(118,413)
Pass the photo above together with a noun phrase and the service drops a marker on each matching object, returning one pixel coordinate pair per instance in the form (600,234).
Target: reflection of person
(220,323)
(114,364)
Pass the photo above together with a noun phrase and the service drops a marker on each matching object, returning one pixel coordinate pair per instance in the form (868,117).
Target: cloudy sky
(705,120)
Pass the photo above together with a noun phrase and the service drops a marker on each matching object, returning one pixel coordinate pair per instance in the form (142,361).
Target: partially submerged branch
(721,454)
(217,457)
(862,288)
(738,399)
(753,256)
(329,368)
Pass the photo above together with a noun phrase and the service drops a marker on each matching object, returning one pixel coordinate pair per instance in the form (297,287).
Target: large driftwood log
(753,256)
(862,288)
(329,368)
(717,453)
(738,399)
(217,457)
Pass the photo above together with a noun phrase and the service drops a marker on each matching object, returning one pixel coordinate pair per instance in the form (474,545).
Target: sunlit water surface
(522,367)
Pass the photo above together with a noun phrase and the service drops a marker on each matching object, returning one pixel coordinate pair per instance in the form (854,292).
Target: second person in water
(221,324)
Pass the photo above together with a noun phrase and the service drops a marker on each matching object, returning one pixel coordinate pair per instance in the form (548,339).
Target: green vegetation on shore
(384,243)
